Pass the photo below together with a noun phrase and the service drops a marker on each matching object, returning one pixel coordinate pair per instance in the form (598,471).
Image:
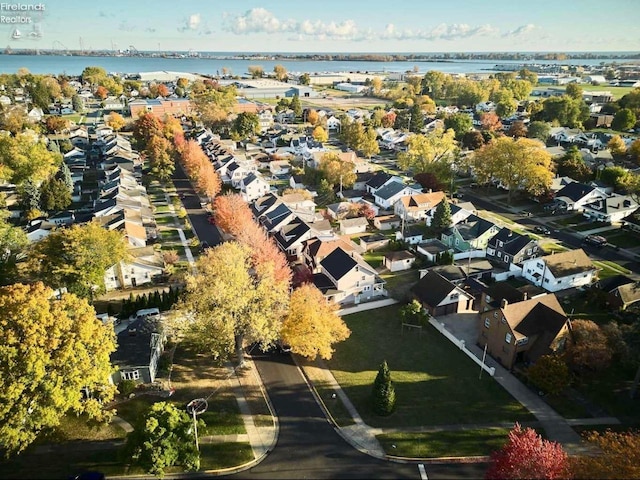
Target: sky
(325,26)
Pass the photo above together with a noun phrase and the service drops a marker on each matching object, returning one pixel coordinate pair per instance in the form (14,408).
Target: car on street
(542,230)
(595,240)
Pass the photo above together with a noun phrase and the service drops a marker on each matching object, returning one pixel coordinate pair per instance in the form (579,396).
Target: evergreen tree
(383,394)
(296,106)
(64,174)
(442,216)
(29,194)
(157,301)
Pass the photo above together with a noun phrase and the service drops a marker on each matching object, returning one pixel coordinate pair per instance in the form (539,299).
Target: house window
(487,323)
(499,254)
(500,243)
(130,375)
(506,258)
(495,314)
(363,277)
(454,296)
(546,280)
(540,265)
(507,337)
(367,288)
(528,251)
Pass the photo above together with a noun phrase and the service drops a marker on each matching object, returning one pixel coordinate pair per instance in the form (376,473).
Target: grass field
(618,92)
(435,383)
(461,443)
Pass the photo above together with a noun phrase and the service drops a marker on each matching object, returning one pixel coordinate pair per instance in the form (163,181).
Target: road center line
(423,472)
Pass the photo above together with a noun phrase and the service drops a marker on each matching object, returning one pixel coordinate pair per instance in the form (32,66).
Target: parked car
(595,240)
(542,229)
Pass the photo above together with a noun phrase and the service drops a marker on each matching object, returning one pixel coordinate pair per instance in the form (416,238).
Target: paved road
(570,239)
(197,215)
(309,447)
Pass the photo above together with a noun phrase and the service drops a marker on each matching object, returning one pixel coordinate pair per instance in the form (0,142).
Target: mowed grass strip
(435,383)
(460,443)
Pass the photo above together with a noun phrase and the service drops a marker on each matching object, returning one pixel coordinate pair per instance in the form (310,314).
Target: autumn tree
(145,127)
(213,103)
(13,119)
(230,300)
(116,121)
(320,134)
(383,394)
(436,149)
(619,456)
(77,258)
(55,124)
(52,350)
(93,75)
(572,165)
(389,119)
(160,154)
(312,325)
(506,104)
(337,171)
(634,151)
(517,129)
(617,146)
(435,84)
(517,163)
(527,455)
(26,157)
(208,182)
(280,73)
(164,438)
(429,181)
(368,144)
(231,213)
(101,92)
(550,374)
(312,117)
(472,140)
(351,132)
(587,347)
(490,122)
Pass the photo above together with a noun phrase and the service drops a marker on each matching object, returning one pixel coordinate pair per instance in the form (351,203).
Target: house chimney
(503,303)
(429,191)
(525,296)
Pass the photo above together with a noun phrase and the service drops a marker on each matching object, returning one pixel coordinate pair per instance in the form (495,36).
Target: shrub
(127,387)
(383,394)
(550,374)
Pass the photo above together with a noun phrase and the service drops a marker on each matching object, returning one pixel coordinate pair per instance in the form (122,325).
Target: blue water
(73,65)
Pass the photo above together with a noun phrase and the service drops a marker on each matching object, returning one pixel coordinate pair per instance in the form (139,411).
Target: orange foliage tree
(619,456)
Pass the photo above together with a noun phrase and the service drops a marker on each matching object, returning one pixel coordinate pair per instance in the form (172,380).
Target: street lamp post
(197,407)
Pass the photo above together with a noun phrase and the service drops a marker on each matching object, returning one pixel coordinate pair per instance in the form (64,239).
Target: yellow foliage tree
(619,458)
(320,134)
(51,351)
(617,146)
(312,326)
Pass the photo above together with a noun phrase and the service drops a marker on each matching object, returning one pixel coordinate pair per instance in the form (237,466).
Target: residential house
(459,212)
(560,271)
(352,226)
(493,294)
(296,181)
(415,208)
(333,124)
(473,233)
(576,195)
(39,229)
(441,297)
(265,119)
(612,209)
(399,261)
(140,346)
(390,193)
(279,167)
(411,234)
(339,210)
(253,186)
(361,180)
(143,266)
(291,237)
(523,331)
(35,115)
(379,180)
(432,249)
(509,248)
(301,205)
(276,218)
(346,279)
(315,250)
(621,292)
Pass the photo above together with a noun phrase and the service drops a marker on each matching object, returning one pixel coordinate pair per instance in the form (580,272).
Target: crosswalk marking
(423,472)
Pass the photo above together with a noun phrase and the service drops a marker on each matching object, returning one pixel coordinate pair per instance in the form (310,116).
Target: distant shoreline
(370,57)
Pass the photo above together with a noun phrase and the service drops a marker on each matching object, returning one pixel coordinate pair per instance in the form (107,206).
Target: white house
(142,267)
(333,123)
(253,187)
(611,209)
(351,226)
(575,195)
(398,261)
(560,271)
(414,208)
(386,196)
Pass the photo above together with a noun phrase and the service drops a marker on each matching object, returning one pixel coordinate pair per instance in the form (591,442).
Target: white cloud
(520,31)
(192,22)
(443,31)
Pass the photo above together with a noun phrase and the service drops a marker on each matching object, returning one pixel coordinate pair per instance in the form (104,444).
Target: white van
(147,312)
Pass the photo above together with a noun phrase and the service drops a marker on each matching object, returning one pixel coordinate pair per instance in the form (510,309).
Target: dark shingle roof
(378,180)
(134,343)
(389,190)
(338,263)
(575,191)
(513,242)
(432,288)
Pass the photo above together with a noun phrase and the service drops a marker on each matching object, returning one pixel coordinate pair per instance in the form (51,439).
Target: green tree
(539,130)
(231,300)
(587,348)
(565,111)
(245,125)
(29,194)
(614,176)
(52,350)
(77,103)
(312,325)
(13,241)
(572,165)
(213,104)
(54,195)
(506,104)
(460,123)
(442,216)
(304,79)
(77,258)
(550,374)
(528,75)
(94,75)
(295,105)
(574,91)
(165,437)
(368,144)
(517,163)
(337,171)
(434,83)
(624,120)
(416,119)
(413,314)
(383,395)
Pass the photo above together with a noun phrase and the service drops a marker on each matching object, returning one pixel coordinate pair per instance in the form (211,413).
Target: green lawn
(374,258)
(622,238)
(215,456)
(583,306)
(618,92)
(78,427)
(435,382)
(462,443)
(609,269)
